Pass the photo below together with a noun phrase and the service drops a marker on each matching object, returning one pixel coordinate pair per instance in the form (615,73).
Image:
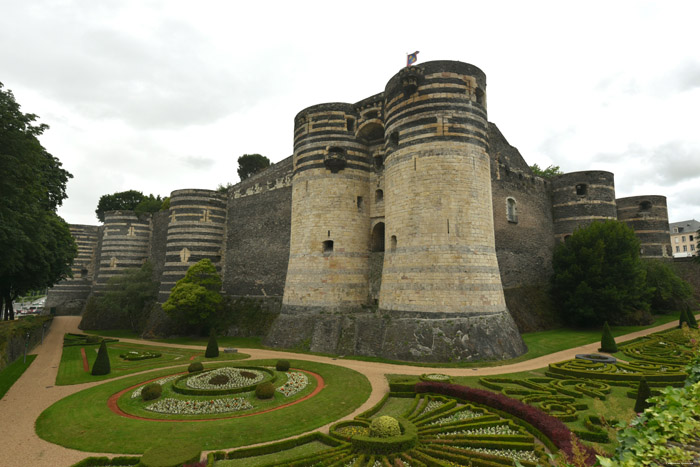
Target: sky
(157,95)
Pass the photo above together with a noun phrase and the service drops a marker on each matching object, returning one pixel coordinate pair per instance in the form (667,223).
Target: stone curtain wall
(648,217)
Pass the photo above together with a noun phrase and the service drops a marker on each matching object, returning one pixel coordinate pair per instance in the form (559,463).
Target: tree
(250,164)
(195,301)
(212,347)
(36,247)
(670,292)
(130,200)
(598,276)
(127,301)
(549,172)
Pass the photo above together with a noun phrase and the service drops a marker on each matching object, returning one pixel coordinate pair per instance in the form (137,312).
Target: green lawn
(71,369)
(79,421)
(12,372)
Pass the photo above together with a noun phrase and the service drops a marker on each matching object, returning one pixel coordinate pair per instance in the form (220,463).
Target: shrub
(151,391)
(265,390)
(670,291)
(282,365)
(171,455)
(212,347)
(607,341)
(692,322)
(195,366)
(643,393)
(101,365)
(384,427)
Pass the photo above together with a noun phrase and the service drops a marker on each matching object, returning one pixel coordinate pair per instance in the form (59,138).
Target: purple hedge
(551,427)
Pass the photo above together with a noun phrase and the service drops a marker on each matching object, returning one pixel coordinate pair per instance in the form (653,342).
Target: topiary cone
(212,347)
(101,365)
(643,393)
(683,318)
(607,341)
(692,322)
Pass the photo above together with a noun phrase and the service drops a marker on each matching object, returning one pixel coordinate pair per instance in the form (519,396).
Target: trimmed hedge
(195,366)
(283,445)
(282,365)
(114,461)
(549,426)
(151,391)
(383,446)
(265,390)
(172,455)
(212,347)
(607,341)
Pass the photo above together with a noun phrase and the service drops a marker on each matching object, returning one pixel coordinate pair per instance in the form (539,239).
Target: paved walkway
(35,390)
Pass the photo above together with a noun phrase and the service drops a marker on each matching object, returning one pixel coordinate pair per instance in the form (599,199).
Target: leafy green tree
(250,164)
(130,200)
(670,291)
(127,301)
(36,247)
(549,172)
(196,301)
(598,276)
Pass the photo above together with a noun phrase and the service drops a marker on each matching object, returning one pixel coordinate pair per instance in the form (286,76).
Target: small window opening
(378,237)
(350,124)
(393,243)
(511,210)
(379,196)
(84,272)
(479,96)
(645,205)
(581,189)
(328,246)
(360,203)
(394,138)
(378,162)
(329,233)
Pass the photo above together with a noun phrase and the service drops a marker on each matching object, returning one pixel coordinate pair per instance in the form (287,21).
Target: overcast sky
(163,95)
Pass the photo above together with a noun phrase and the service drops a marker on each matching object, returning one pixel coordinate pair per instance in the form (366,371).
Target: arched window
(379,196)
(378,237)
(393,243)
(511,210)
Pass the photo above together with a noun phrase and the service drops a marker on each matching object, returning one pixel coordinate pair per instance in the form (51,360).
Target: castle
(403,226)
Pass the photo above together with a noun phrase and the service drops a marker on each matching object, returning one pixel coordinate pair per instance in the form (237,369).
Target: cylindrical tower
(648,217)
(329,247)
(579,198)
(195,231)
(440,255)
(125,242)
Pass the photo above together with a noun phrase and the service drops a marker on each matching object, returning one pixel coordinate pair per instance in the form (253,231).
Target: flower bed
(135,356)
(296,382)
(222,381)
(195,407)
(162,381)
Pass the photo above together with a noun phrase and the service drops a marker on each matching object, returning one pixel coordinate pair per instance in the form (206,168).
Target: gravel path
(35,390)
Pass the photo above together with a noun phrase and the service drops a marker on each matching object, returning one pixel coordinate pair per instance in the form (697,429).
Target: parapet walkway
(35,391)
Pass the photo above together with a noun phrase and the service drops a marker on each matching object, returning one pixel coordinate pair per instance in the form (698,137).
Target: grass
(71,369)
(12,372)
(78,421)
(276,458)
(224,341)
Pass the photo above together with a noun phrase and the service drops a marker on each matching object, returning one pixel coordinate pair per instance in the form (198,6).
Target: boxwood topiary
(384,427)
(282,365)
(643,393)
(607,341)
(151,391)
(101,365)
(212,347)
(195,366)
(265,390)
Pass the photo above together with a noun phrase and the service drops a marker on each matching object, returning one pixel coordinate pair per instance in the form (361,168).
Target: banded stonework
(196,228)
(648,217)
(403,226)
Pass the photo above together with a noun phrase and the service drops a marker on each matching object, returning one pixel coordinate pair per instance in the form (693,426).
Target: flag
(412,58)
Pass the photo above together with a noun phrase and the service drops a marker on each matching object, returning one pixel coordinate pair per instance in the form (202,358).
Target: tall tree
(598,276)
(36,247)
(250,164)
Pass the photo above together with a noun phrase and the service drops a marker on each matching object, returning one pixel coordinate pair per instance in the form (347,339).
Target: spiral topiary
(282,365)
(384,427)
(151,391)
(265,390)
(195,366)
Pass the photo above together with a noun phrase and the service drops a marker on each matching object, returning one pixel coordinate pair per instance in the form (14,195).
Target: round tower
(195,232)
(648,217)
(330,233)
(579,198)
(125,242)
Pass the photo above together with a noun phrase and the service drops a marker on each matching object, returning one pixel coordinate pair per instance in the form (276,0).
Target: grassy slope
(12,372)
(78,421)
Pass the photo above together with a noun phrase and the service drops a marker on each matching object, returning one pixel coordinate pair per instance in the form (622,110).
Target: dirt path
(35,390)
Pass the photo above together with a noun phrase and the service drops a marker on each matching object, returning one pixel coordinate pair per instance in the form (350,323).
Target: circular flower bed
(435,378)
(134,355)
(221,381)
(195,407)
